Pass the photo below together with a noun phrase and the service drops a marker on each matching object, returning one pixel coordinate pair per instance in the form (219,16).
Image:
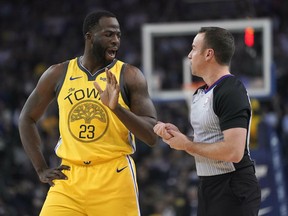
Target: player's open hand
(48,175)
(110,95)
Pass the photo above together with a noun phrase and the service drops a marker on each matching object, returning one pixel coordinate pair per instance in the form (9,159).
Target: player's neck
(91,65)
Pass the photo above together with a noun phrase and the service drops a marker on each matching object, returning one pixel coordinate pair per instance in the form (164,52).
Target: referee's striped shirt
(222,106)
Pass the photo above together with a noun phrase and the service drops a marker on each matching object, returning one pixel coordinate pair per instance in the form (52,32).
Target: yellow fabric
(89,131)
(95,190)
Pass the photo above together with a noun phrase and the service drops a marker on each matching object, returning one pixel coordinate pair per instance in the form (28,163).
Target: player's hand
(171,127)
(161,129)
(48,175)
(110,95)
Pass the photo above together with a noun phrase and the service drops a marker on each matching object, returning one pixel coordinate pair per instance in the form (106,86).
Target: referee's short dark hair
(221,41)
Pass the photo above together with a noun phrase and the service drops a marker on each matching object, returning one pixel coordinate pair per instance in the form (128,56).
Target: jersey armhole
(123,88)
(62,78)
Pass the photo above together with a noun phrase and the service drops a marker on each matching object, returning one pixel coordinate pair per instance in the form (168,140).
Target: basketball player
(220,117)
(103,103)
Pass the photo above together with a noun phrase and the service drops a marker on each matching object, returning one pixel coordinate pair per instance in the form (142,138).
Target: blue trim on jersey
(135,183)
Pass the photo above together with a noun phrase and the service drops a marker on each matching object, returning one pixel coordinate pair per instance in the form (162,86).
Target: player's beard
(99,52)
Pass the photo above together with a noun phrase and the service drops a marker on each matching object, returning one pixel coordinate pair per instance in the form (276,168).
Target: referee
(220,117)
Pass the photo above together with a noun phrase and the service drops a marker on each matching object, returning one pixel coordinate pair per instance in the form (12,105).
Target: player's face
(196,55)
(106,39)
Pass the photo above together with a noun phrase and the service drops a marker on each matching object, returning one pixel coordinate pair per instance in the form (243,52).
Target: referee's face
(196,55)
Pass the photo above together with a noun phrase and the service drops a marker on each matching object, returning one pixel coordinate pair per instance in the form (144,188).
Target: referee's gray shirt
(222,106)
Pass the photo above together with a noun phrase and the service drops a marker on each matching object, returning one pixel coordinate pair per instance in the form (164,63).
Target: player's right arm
(33,109)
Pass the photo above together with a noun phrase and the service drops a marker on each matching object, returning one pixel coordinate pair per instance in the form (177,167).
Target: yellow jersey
(89,131)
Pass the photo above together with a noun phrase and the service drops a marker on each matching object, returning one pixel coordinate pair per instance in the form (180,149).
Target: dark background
(36,34)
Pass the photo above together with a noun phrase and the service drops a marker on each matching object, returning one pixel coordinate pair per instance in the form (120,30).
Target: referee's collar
(208,88)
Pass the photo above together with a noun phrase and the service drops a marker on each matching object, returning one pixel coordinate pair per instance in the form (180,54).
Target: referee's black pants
(233,194)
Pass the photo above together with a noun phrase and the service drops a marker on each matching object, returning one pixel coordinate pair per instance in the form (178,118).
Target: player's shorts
(237,193)
(106,189)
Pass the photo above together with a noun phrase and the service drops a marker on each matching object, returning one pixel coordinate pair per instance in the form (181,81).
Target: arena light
(249,36)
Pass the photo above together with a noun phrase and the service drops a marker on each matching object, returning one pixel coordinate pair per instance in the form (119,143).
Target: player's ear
(88,36)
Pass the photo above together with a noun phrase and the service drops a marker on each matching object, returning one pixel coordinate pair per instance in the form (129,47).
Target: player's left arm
(141,117)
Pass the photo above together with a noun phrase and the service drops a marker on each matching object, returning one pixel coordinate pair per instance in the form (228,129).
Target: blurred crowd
(35,34)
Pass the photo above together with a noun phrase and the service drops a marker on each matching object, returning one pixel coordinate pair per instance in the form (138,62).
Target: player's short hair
(221,41)
(92,19)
